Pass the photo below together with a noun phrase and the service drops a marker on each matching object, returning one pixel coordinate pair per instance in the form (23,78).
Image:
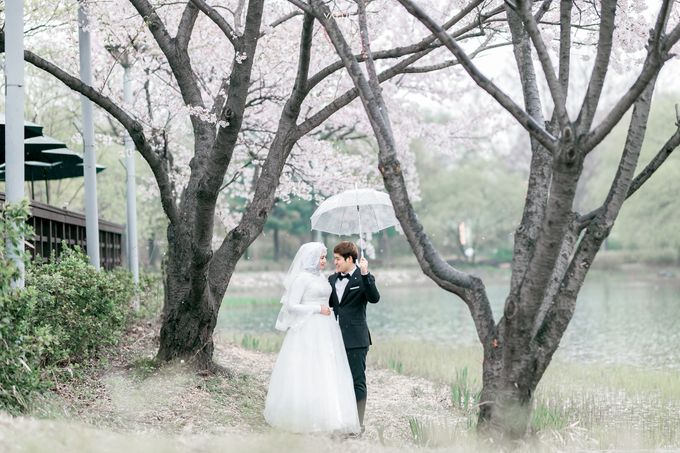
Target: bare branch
(540,170)
(604,50)
(535,129)
(284,19)
(666,150)
(133,127)
(186,26)
(657,55)
(449,63)
(556,91)
(178,59)
(560,313)
(467,287)
(219,20)
(565,45)
(426,43)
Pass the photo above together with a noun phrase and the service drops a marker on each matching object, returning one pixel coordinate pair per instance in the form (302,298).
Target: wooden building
(53,225)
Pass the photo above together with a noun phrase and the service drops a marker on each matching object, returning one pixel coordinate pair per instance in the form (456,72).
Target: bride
(311,387)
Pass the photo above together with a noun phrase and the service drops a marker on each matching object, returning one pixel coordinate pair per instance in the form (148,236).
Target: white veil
(306,260)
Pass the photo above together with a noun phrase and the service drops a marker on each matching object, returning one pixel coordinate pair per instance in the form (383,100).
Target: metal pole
(14,115)
(133,249)
(91,214)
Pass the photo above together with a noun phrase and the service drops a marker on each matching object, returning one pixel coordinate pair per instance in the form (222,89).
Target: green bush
(87,309)
(22,340)
(150,293)
(66,313)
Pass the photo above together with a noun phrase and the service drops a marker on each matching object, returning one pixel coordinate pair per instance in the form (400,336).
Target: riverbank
(247,279)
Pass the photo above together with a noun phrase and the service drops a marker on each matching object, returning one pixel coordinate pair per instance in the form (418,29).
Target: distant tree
(292,218)
(480,192)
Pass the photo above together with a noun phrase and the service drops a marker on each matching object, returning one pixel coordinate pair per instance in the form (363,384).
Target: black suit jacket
(350,308)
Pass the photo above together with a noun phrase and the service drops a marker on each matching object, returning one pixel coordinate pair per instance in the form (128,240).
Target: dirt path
(393,398)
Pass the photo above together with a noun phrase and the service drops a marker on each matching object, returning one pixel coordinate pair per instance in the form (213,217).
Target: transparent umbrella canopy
(355,211)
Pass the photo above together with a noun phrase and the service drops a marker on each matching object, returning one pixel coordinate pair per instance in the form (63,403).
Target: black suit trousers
(357,364)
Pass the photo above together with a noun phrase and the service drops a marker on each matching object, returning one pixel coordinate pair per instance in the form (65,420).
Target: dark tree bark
(554,246)
(275,238)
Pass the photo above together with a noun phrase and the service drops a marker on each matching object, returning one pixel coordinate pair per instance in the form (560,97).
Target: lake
(620,319)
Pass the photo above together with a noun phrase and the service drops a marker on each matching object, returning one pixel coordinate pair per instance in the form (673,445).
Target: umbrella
(36,146)
(51,164)
(30,130)
(355,211)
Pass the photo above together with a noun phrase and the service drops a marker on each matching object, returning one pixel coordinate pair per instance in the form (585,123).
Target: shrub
(87,309)
(22,341)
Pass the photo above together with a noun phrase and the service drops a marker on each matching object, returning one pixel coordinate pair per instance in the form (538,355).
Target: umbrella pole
(361,244)
(32,190)
(47,191)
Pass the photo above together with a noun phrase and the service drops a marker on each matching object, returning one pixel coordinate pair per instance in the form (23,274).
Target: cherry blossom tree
(554,245)
(241,99)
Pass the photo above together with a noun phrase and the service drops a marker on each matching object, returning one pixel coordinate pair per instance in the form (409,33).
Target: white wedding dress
(311,387)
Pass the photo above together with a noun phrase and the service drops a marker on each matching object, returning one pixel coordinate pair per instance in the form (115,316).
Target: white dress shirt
(341,285)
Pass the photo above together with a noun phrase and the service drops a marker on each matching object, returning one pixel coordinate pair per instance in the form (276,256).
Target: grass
(265,342)
(580,404)
(597,402)
(143,368)
(575,407)
(611,407)
(243,301)
(465,392)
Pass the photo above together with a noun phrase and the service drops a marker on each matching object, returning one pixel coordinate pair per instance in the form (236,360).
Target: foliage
(22,340)
(476,190)
(649,218)
(88,309)
(150,294)
(66,313)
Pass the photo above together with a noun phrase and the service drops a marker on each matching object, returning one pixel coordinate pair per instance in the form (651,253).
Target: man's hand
(325,310)
(363,265)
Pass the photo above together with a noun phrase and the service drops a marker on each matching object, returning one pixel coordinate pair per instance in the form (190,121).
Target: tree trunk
(190,310)
(505,409)
(276,244)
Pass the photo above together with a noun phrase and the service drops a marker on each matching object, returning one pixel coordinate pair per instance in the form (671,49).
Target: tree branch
(186,26)
(462,284)
(255,215)
(426,43)
(556,91)
(657,54)
(666,150)
(219,20)
(537,130)
(604,50)
(565,45)
(559,315)
(540,170)
(133,127)
(177,58)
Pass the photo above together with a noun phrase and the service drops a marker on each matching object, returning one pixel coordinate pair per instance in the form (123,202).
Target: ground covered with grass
(126,399)
(421,396)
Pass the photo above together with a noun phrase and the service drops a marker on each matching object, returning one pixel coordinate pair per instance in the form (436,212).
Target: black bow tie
(341,276)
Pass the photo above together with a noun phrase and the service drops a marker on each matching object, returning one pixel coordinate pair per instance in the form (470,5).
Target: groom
(351,289)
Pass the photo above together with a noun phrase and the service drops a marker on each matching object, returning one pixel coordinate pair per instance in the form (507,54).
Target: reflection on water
(617,321)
